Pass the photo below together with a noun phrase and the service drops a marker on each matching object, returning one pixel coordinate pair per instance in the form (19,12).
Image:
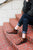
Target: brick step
(18,16)
(4,45)
(6,28)
(14,22)
(13,38)
(30,34)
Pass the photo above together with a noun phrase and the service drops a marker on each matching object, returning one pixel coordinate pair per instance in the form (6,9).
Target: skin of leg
(23,35)
(17,27)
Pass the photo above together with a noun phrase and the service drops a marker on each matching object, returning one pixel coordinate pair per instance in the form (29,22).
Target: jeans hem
(24,32)
(18,24)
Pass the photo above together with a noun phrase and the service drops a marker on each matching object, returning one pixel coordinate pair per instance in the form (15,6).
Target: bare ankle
(23,36)
(17,27)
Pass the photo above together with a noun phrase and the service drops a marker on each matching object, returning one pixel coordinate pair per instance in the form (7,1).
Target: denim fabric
(25,20)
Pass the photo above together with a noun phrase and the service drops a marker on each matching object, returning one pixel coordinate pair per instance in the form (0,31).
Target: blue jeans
(25,20)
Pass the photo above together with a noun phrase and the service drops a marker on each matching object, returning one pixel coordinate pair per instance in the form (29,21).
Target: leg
(24,20)
(20,22)
(25,26)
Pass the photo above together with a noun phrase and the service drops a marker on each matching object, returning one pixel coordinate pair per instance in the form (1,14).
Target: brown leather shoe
(20,41)
(13,32)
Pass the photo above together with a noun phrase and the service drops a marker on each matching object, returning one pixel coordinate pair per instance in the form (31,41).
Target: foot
(13,32)
(21,41)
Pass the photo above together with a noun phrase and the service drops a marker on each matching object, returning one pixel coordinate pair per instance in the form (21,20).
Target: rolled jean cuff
(18,24)
(24,32)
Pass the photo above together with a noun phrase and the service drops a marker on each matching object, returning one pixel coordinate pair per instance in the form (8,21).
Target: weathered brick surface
(4,45)
(13,38)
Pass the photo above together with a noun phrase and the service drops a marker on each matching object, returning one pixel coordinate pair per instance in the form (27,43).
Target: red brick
(18,16)
(6,27)
(13,38)
(4,45)
(13,23)
(10,28)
